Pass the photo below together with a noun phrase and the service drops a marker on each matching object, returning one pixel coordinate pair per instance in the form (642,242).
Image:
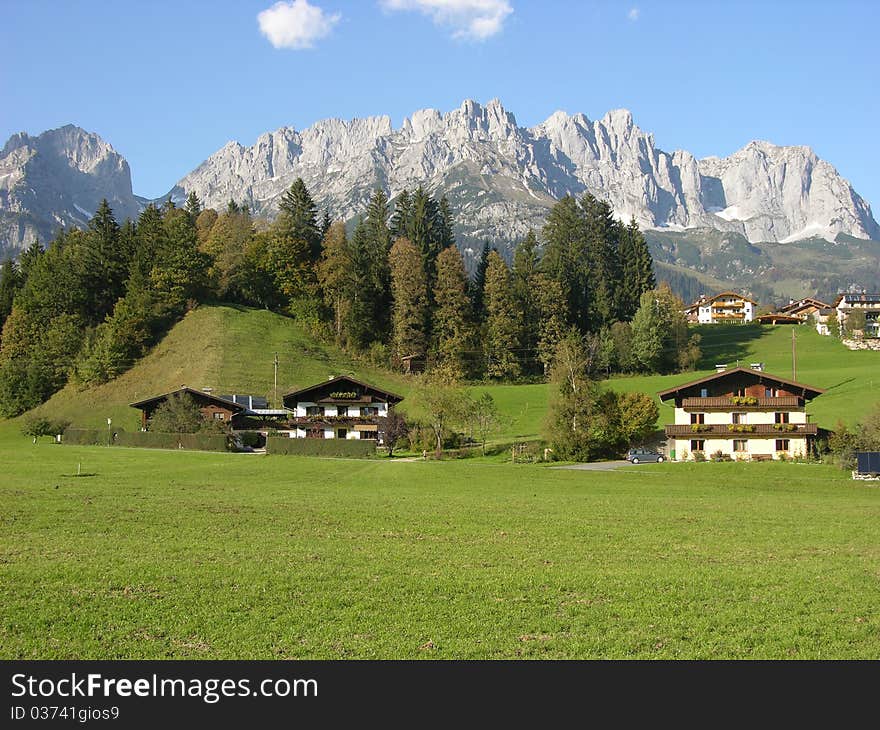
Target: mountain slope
(57,179)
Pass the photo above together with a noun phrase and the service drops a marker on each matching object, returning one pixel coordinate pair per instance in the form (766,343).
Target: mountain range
(501,179)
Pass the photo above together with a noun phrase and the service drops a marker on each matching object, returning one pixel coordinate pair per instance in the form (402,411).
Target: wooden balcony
(741,431)
(726,403)
(343,421)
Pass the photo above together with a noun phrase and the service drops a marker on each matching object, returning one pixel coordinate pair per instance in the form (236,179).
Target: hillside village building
(744,413)
(723,308)
(846,304)
(341,407)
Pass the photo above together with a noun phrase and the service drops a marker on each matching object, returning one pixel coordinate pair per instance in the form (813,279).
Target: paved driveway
(595,466)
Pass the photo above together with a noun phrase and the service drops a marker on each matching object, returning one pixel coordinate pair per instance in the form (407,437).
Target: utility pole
(275,397)
(793,356)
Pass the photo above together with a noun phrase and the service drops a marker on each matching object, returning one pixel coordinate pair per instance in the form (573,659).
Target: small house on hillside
(724,308)
(745,414)
(340,407)
(806,307)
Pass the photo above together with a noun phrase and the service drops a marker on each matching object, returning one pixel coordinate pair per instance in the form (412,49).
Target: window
(698,417)
(697,444)
(219,416)
(781,418)
(739,417)
(315,433)
(782,444)
(314,410)
(740,445)
(740,393)
(341,410)
(342,433)
(771,392)
(370,411)
(371,435)
(704,392)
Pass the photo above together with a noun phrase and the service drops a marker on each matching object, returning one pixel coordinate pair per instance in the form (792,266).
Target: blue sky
(168,83)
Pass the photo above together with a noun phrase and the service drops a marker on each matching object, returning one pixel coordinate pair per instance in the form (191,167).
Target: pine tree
(410,311)
(151,240)
(326,222)
(27,259)
(453,332)
(402,212)
(525,269)
(193,206)
(335,275)
(10,283)
(637,268)
(647,338)
(103,265)
(552,325)
(378,245)
(297,218)
(423,230)
(478,285)
(227,244)
(364,306)
(502,322)
(566,260)
(602,271)
(446,236)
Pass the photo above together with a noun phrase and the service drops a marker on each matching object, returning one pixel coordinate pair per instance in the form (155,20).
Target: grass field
(164,554)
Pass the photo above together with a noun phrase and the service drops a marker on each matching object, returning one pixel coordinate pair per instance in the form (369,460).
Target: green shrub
(85,437)
(347,448)
(157,440)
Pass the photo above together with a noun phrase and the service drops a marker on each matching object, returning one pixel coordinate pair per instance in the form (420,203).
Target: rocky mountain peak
(501,179)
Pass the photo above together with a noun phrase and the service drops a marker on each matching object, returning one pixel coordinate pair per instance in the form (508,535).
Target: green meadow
(127,553)
(167,554)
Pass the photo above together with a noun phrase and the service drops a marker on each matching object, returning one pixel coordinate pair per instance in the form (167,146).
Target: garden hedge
(350,448)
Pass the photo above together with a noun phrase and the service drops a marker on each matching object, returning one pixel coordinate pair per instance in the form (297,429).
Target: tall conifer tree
(502,323)
(410,289)
(452,328)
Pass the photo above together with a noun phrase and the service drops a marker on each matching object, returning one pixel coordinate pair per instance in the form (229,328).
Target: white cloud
(295,24)
(474,20)
(634,14)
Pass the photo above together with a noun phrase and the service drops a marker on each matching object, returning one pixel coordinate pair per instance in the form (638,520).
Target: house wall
(754,447)
(209,411)
(683,417)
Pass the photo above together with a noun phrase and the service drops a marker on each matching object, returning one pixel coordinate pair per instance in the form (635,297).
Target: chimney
(207,390)
(759,366)
(720,368)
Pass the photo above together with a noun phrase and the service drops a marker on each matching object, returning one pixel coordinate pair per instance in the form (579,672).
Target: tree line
(393,288)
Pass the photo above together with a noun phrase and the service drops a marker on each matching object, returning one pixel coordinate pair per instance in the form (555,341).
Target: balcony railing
(340,420)
(740,431)
(726,403)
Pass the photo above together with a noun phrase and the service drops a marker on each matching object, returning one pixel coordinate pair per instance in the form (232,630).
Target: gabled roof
(803,303)
(193,392)
(704,300)
(760,375)
(387,395)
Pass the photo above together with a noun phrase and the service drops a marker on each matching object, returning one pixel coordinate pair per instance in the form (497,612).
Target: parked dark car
(637,456)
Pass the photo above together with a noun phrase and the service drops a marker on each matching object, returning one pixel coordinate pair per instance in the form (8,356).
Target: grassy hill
(227,348)
(231,349)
